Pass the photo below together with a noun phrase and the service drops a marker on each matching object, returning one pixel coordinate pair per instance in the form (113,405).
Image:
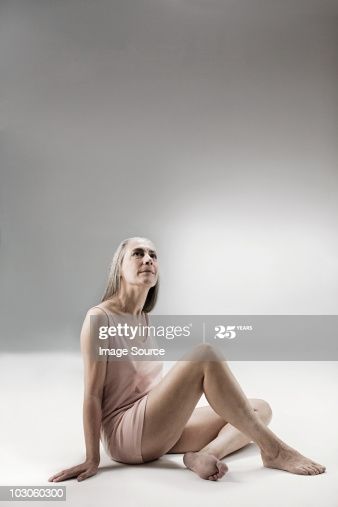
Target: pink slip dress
(125,394)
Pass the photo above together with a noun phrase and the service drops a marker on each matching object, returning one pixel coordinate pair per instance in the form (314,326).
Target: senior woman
(140,415)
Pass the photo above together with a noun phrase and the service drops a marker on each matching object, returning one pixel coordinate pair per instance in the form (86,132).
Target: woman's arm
(94,377)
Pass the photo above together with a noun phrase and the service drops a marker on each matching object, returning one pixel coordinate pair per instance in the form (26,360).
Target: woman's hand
(81,472)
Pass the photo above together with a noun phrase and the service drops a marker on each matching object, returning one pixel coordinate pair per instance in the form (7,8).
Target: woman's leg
(171,403)
(206,431)
(230,439)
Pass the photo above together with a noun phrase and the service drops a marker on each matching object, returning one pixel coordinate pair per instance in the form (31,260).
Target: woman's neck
(131,301)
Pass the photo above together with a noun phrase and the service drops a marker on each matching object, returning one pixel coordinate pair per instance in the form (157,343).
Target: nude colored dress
(125,394)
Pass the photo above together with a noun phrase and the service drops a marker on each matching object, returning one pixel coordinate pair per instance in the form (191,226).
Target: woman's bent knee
(204,353)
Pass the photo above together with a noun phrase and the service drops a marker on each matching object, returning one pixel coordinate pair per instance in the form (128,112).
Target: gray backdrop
(209,126)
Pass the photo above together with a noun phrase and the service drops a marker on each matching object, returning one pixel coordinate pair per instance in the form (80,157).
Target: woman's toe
(222,468)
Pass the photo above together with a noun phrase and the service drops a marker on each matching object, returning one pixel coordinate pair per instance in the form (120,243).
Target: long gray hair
(113,284)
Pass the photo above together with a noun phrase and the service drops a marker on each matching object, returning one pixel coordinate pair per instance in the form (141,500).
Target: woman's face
(139,265)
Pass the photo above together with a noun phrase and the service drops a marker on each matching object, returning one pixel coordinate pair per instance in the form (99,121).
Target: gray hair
(113,284)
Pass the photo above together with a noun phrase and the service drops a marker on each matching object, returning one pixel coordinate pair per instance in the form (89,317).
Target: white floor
(41,433)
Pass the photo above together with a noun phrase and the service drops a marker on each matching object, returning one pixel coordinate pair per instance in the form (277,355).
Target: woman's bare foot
(292,461)
(205,465)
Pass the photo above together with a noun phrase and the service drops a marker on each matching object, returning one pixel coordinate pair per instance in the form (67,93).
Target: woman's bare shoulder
(93,320)
(97,311)
(109,306)
(94,310)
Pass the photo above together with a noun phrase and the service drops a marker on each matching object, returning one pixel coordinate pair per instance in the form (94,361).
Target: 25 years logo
(229,331)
